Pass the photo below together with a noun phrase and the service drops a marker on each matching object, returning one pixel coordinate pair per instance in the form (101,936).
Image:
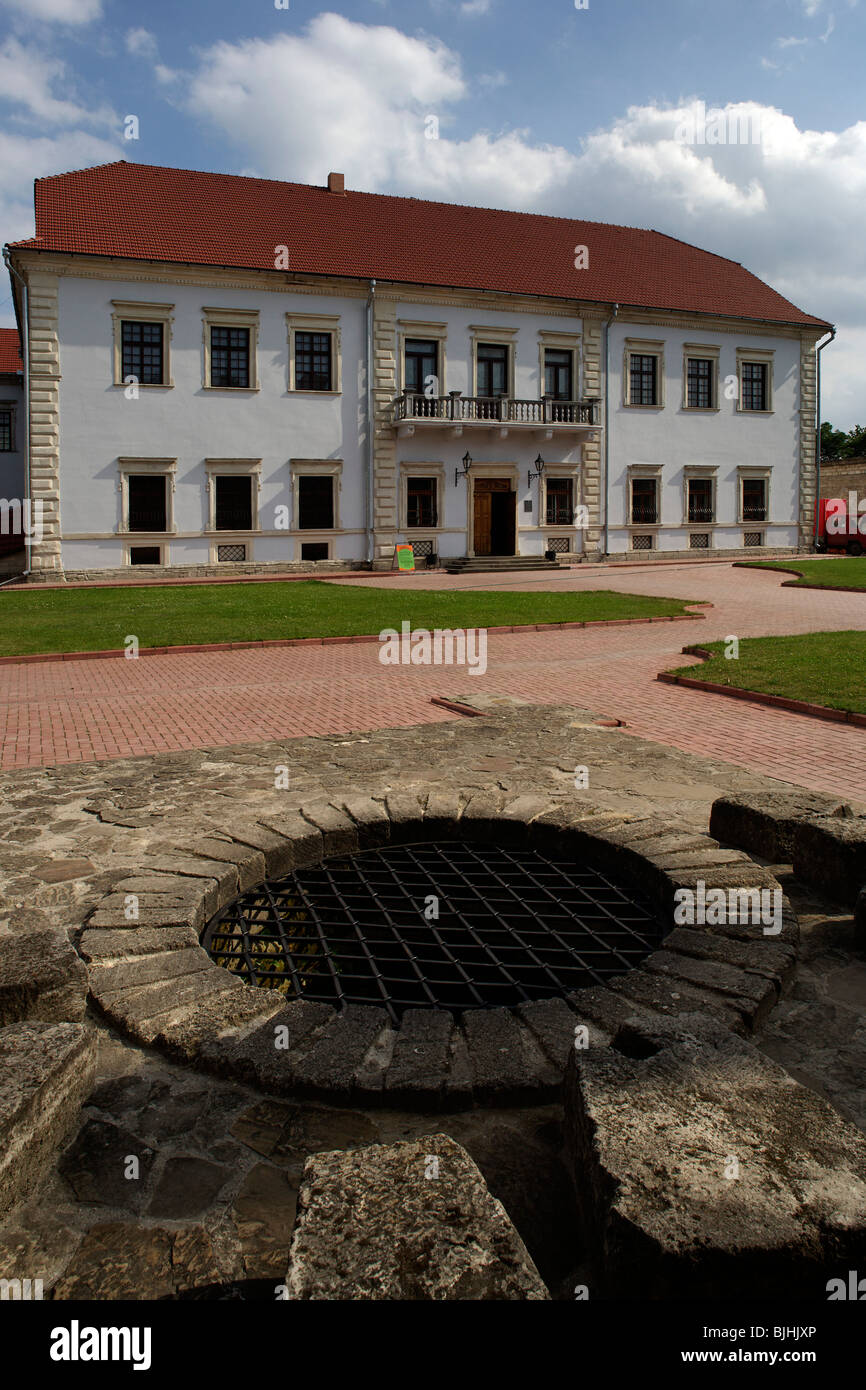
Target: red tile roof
(10,351)
(147,212)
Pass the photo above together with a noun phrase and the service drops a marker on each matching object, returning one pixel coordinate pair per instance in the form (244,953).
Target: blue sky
(540,106)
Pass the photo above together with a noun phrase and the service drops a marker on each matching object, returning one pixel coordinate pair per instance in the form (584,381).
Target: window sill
(145,385)
(629,405)
(700,409)
(310,391)
(244,390)
(744,410)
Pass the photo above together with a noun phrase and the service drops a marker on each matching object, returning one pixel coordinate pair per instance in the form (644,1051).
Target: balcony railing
(644,516)
(495,410)
(697,513)
(754,512)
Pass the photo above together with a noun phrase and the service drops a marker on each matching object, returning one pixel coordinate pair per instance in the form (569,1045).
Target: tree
(832,442)
(855,443)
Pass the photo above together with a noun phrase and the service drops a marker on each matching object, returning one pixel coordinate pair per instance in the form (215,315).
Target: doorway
(495,517)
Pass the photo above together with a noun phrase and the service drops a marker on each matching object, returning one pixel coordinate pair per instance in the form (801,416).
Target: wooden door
(482,520)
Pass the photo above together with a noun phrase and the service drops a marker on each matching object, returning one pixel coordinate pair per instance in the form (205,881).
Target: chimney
(336,183)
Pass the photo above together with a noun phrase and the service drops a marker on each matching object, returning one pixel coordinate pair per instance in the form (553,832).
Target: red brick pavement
(76,711)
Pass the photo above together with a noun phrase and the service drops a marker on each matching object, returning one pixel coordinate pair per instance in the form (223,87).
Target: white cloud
(27,80)
(473,8)
(57,11)
(142,43)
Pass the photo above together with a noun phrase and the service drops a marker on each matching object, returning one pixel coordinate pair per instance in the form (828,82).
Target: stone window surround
(644,470)
(422,329)
(644,347)
(744,472)
(561,342)
(316,468)
(702,350)
(12,407)
(231,318)
(558,470)
(316,323)
(412,469)
(764,356)
(236,1032)
(134,311)
(221,468)
(131,544)
(700,470)
(165,466)
(501,337)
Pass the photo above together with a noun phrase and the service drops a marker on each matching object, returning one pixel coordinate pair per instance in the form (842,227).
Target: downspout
(606,421)
(818,428)
(23,329)
(371,427)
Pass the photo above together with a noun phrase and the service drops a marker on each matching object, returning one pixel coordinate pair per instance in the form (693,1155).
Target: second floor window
(421,363)
(233,502)
(146,502)
(5,431)
(644,501)
(560,511)
(700,499)
(313,362)
(492,369)
(699,383)
(229,356)
(315,502)
(754,499)
(753,386)
(558,373)
(643,379)
(141,352)
(421,502)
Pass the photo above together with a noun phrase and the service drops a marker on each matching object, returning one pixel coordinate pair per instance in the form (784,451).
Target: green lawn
(825,668)
(77,620)
(845,572)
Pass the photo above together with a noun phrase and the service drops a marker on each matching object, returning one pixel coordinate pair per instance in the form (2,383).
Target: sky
(739,127)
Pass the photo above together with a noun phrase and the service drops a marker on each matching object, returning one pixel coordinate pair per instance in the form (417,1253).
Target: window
(314,550)
(699,540)
(421,502)
(315,502)
(642,542)
(145,555)
(752,538)
(313,362)
(700,372)
(753,386)
(7,437)
(142,334)
(230,553)
(644,501)
(233,502)
(754,499)
(700,499)
(560,508)
(492,369)
(142,351)
(559,373)
(643,379)
(146,503)
(230,357)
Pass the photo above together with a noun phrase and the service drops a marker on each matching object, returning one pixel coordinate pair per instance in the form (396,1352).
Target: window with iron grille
(560,545)
(558,374)
(145,555)
(699,383)
(313,362)
(421,502)
(422,548)
(699,540)
(141,352)
(146,502)
(491,368)
(5,431)
(226,553)
(643,379)
(753,538)
(700,499)
(753,386)
(560,508)
(229,356)
(754,499)
(642,542)
(315,503)
(233,502)
(644,501)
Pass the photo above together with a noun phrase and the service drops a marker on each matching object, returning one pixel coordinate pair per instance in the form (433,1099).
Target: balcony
(499,415)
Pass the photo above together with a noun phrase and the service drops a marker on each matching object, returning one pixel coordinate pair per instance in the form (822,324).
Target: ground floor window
(700,499)
(560,501)
(644,501)
(229,553)
(315,550)
(754,499)
(146,504)
(233,502)
(315,502)
(145,555)
(421,508)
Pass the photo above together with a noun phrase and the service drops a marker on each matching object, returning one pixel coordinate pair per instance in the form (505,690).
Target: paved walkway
(76,711)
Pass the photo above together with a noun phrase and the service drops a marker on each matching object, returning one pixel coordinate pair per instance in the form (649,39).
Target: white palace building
(227,373)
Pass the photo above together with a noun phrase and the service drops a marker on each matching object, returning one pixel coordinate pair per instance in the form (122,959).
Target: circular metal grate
(446,925)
